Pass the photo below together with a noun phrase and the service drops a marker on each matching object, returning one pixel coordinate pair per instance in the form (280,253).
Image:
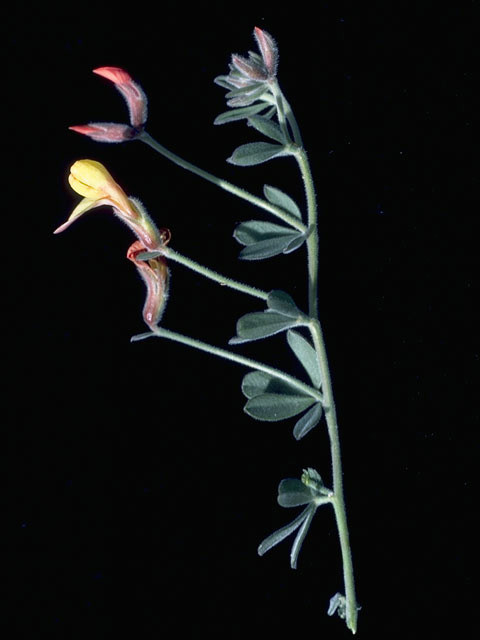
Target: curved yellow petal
(82,207)
(84,189)
(91,174)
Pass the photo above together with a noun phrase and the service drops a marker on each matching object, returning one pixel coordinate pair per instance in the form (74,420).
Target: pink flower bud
(254,70)
(106,131)
(114,74)
(134,96)
(154,273)
(268,49)
(249,68)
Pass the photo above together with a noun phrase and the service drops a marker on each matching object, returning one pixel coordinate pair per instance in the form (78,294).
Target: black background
(138,489)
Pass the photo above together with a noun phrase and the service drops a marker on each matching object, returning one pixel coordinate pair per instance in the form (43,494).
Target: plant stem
(285,113)
(279,101)
(223,184)
(213,275)
(338,499)
(312,240)
(233,357)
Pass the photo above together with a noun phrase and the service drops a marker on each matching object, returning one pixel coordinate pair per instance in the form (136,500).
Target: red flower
(137,107)
(154,273)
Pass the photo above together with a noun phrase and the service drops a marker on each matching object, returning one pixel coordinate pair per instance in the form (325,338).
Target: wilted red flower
(154,273)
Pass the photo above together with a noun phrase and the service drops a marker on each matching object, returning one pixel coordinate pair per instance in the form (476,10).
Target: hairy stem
(223,184)
(213,275)
(312,240)
(319,344)
(338,500)
(160,332)
(279,101)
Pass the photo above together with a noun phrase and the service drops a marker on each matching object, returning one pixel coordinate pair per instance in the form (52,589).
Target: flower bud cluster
(251,75)
(137,107)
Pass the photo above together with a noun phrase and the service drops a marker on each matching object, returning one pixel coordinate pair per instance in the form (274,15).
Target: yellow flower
(91,180)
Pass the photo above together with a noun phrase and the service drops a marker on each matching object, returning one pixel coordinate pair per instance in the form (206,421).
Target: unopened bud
(268,49)
(132,92)
(106,131)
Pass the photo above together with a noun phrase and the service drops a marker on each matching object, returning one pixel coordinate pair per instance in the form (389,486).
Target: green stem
(338,500)
(312,240)
(213,275)
(223,184)
(289,115)
(329,404)
(285,113)
(279,101)
(233,357)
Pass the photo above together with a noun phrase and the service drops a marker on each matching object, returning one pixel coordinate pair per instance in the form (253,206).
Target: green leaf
(280,199)
(281,302)
(246,90)
(268,128)
(271,112)
(264,239)
(148,255)
(253,231)
(256,383)
(239,114)
(293,493)
(283,532)
(142,336)
(295,243)
(300,537)
(247,155)
(308,421)
(307,356)
(272,407)
(260,324)
(266,249)
(223,81)
(245,95)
